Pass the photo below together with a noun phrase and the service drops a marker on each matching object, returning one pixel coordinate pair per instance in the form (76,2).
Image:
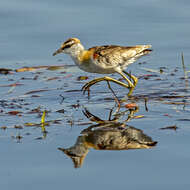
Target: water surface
(30,32)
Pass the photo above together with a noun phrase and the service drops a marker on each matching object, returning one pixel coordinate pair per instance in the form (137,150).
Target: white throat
(75,51)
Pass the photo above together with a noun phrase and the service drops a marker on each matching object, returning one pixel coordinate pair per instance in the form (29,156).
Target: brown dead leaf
(183,119)
(19,137)
(53,78)
(148,76)
(14,112)
(68,76)
(18,127)
(174,103)
(39,138)
(173,127)
(5,71)
(35,110)
(131,106)
(35,96)
(12,85)
(4,127)
(167,115)
(61,111)
(24,69)
(54,67)
(36,91)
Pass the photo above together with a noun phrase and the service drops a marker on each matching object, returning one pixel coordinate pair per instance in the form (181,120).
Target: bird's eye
(66,46)
(68,41)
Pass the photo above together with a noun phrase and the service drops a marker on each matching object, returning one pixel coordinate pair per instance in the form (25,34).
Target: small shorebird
(104,60)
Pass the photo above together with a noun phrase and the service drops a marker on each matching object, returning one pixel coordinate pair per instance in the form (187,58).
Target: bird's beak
(60,50)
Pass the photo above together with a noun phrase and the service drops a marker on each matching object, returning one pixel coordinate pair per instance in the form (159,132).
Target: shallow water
(30,32)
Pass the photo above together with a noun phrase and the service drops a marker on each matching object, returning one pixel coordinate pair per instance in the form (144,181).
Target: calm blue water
(30,32)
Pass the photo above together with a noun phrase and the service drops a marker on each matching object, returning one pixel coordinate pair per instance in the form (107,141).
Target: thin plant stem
(184,69)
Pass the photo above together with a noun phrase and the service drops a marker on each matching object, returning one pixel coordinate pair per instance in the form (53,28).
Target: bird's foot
(88,85)
(130,91)
(135,80)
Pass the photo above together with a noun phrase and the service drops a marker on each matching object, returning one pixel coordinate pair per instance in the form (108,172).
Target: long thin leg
(106,78)
(131,85)
(135,79)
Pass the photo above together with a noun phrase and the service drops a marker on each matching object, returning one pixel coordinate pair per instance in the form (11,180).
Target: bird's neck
(77,51)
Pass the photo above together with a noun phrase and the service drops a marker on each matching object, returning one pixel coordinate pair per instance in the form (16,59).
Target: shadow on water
(107,135)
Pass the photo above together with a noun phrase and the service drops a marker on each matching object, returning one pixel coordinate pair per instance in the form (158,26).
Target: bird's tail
(146,50)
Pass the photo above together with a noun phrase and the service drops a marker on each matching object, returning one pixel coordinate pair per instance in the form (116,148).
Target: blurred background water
(32,30)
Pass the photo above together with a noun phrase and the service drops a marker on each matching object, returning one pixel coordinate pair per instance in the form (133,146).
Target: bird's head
(71,46)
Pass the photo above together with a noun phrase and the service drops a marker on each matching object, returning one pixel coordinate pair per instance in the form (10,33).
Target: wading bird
(105,60)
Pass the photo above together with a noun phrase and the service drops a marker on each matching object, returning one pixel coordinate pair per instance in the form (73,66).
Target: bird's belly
(93,68)
(96,69)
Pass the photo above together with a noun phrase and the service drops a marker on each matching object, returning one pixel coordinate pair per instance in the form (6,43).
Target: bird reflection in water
(107,135)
